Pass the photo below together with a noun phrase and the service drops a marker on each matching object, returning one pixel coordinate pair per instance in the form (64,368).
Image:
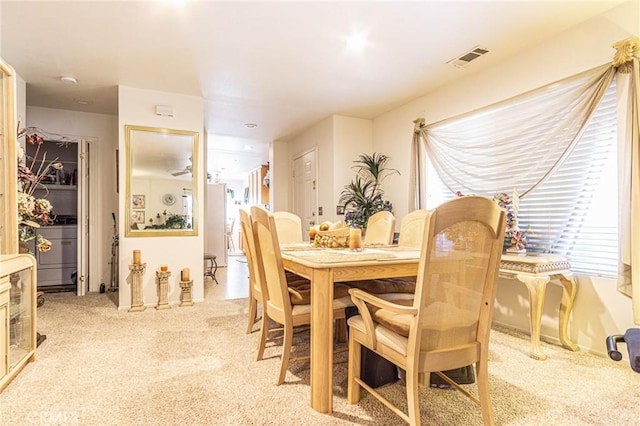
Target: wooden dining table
(324,267)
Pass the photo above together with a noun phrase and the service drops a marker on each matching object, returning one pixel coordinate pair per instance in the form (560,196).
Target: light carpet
(196,366)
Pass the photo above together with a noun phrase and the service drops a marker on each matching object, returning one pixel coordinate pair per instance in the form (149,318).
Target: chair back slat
(250,253)
(269,259)
(288,226)
(412,229)
(380,228)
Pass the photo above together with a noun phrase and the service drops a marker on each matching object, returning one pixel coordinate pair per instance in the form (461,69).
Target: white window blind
(574,211)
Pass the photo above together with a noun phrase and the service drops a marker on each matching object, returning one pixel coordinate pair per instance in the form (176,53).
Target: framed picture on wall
(137,217)
(138,202)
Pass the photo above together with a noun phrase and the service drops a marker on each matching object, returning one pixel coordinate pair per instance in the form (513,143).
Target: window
(574,211)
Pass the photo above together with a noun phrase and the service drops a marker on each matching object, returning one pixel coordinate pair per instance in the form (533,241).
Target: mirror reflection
(161,181)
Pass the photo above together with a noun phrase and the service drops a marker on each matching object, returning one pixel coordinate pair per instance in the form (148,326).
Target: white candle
(355,239)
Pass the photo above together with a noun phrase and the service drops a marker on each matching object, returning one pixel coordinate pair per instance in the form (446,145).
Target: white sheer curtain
(522,141)
(519,142)
(418,193)
(629,176)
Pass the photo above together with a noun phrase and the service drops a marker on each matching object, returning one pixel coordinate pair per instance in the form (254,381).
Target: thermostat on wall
(164,110)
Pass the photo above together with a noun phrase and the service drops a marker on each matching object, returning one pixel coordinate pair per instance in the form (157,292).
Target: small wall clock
(169,199)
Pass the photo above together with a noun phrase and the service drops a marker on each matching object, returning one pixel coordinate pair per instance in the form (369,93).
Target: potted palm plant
(364,195)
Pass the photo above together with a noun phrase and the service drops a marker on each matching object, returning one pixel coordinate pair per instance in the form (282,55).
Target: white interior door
(83,218)
(305,197)
(215,222)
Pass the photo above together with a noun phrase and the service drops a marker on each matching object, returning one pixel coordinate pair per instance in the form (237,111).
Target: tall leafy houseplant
(364,195)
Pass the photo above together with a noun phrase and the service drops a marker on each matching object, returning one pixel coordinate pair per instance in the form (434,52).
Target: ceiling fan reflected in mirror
(188,169)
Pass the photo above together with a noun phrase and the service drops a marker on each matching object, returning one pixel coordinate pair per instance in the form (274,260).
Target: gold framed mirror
(161,185)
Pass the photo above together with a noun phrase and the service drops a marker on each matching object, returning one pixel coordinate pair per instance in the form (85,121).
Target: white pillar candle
(355,238)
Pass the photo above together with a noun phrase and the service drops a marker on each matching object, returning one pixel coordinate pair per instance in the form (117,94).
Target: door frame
(83,263)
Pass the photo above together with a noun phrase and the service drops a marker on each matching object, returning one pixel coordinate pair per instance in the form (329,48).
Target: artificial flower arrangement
(33,212)
(515,239)
(513,234)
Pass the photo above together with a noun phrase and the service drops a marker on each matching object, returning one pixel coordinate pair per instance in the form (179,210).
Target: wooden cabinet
(17,313)
(58,266)
(5,286)
(258,191)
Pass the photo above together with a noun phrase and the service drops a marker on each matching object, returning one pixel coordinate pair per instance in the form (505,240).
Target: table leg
(536,286)
(215,269)
(322,341)
(569,290)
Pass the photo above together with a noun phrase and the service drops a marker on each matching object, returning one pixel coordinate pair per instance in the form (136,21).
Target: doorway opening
(63,267)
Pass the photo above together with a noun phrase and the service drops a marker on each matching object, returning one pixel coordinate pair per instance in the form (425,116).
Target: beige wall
(136,107)
(351,137)
(599,310)
(21,100)
(281,172)
(338,140)
(320,138)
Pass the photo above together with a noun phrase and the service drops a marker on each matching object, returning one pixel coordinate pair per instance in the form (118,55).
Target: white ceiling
(282,65)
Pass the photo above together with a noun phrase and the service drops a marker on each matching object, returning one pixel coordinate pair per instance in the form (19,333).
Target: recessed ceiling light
(250,125)
(356,41)
(82,101)
(68,79)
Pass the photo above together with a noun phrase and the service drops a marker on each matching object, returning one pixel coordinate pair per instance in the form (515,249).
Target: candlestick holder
(162,281)
(137,271)
(185,293)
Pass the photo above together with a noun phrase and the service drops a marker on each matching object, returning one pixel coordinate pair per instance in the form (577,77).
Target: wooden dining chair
(380,228)
(411,232)
(278,305)
(289,227)
(300,287)
(447,324)
(255,288)
(412,229)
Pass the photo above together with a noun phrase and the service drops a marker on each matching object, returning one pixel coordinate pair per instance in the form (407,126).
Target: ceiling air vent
(464,59)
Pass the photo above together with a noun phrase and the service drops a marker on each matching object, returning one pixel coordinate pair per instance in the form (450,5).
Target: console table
(535,270)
